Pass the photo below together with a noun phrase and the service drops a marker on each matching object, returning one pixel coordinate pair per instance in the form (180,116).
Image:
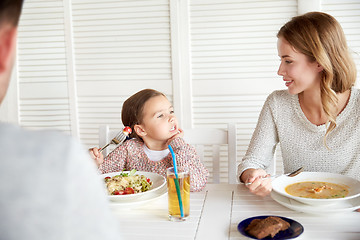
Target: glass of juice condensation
(184,185)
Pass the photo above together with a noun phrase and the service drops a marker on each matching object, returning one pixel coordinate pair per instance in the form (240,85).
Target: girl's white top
(154,155)
(302,143)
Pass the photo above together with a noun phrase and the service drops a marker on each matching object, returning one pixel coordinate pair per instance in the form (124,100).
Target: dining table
(217,210)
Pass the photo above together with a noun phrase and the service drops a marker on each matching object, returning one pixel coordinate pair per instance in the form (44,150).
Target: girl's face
(298,72)
(159,122)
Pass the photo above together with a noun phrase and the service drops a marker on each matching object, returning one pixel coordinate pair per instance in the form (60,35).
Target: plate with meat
(270,227)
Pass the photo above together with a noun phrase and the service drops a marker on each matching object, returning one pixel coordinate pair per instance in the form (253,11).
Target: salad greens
(131,173)
(127,183)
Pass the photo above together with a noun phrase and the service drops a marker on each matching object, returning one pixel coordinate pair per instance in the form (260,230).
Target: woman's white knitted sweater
(302,143)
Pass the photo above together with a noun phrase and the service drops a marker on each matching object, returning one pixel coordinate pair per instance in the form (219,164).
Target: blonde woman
(316,120)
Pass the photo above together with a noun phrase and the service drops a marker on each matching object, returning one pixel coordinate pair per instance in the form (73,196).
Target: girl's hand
(96,155)
(179,134)
(259,186)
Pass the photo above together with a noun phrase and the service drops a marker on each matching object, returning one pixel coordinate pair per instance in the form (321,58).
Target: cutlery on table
(292,174)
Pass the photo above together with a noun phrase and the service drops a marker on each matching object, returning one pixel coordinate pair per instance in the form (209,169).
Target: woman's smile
(288,82)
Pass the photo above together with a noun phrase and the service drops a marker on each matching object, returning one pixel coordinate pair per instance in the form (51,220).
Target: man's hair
(10,11)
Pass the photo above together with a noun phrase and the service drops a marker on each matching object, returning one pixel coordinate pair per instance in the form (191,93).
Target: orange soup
(318,190)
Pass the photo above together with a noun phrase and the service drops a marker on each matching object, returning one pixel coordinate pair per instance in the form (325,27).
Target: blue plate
(295,229)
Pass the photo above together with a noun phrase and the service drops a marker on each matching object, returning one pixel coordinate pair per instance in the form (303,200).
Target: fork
(292,174)
(119,138)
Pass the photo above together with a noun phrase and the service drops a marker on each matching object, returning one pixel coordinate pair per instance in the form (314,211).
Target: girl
(154,126)
(317,120)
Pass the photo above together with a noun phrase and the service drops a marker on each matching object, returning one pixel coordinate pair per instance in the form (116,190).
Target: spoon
(292,174)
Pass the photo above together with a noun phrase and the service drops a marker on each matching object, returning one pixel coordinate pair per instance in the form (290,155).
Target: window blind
(347,12)
(121,47)
(234,63)
(42,81)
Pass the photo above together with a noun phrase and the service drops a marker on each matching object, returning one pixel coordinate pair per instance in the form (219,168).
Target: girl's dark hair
(132,109)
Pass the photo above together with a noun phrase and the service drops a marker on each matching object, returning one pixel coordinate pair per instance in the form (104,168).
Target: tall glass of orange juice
(184,185)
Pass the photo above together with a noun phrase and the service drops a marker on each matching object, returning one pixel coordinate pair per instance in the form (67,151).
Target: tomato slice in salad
(118,192)
(129,190)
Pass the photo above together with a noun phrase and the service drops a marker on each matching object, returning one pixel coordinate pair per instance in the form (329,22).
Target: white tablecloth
(216,212)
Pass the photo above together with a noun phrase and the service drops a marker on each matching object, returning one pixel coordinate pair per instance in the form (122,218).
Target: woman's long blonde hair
(320,37)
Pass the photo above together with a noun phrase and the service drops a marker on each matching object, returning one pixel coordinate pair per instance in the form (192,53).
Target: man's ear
(140,131)
(7,46)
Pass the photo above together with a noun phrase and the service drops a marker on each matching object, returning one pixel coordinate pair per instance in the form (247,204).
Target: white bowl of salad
(133,185)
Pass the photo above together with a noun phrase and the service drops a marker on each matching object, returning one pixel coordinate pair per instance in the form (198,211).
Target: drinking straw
(176,180)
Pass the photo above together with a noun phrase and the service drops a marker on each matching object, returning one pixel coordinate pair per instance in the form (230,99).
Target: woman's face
(159,121)
(297,71)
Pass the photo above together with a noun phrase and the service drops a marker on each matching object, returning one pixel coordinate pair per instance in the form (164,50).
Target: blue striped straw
(176,180)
